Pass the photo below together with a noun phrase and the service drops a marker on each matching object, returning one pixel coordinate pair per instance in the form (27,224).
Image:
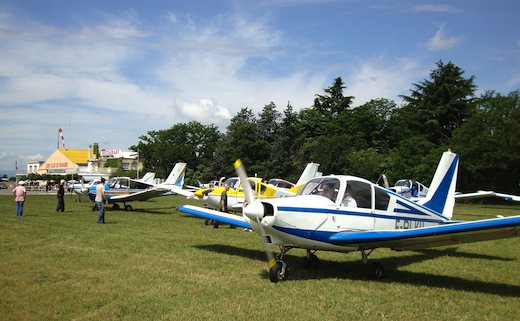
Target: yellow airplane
(236,196)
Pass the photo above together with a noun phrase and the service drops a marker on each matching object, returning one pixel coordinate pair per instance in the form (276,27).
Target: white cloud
(203,110)
(35,157)
(445,8)
(440,41)
(99,78)
(380,78)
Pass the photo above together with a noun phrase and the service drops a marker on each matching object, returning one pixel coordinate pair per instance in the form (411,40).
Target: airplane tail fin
(148,177)
(441,194)
(309,173)
(176,176)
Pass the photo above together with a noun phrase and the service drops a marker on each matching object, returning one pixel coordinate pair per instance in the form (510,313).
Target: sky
(108,72)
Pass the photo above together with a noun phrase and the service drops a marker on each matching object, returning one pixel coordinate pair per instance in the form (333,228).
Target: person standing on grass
(61,197)
(222,203)
(19,193)
(100,198)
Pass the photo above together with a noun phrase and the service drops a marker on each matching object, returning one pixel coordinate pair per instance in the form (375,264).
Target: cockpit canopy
(328,187)
(335,189)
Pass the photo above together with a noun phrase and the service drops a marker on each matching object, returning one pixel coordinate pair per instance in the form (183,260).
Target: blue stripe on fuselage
(353,213)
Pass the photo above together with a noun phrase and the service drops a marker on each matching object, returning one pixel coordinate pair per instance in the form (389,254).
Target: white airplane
(409,188)
(81,189)
(382,219)
(124,189)
(236,196)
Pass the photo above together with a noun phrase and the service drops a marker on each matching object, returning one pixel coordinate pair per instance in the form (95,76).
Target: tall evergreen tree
(438,106)
(334,103)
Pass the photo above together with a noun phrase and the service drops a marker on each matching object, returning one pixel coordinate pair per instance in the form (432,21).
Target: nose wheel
(278,272)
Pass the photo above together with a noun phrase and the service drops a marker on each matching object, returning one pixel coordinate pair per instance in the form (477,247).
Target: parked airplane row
(330,213)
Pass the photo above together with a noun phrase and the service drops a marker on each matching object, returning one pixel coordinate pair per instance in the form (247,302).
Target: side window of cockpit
(362,193)
(382,199)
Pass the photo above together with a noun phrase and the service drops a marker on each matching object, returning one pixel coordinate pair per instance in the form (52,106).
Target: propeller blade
(241,172)
(254,210)
(271,260)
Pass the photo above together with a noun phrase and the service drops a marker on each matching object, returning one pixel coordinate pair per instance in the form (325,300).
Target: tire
(278,272)
(311,261)
(128,208)
(375,271)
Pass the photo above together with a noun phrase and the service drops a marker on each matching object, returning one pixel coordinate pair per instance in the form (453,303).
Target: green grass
(158,264)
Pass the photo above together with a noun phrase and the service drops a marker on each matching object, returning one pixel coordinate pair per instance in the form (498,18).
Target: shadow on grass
(355,270)
(154,211)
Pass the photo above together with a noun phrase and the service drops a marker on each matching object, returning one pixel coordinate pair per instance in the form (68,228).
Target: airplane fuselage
(308,221)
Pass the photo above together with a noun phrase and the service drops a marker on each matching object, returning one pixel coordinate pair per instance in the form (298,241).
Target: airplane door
(355,211)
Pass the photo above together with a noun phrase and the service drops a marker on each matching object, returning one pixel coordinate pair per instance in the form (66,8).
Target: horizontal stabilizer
(214,215)
(447,234)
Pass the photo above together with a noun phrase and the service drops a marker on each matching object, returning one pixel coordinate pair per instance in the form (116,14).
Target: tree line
(407,141)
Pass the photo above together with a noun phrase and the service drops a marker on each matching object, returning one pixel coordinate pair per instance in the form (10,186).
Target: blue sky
(109,71)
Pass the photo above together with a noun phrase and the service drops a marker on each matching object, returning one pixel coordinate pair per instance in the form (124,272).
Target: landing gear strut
(374,270)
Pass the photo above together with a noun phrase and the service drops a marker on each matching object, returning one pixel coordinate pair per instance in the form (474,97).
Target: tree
(438,106)
(489,144)
(192,143)
(286,146)
(240,141)
(334,103)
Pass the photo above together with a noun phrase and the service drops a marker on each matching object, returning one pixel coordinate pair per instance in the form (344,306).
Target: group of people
(20,194)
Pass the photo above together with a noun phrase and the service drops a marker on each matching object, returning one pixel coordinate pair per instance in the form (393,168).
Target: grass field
(158,264)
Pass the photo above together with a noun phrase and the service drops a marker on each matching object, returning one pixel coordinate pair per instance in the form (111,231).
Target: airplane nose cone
(254,210)
(199,193)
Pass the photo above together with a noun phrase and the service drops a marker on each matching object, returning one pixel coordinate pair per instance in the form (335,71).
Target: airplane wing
(448,234)
(482,194)
(139,196)
(214,215)
(478,194)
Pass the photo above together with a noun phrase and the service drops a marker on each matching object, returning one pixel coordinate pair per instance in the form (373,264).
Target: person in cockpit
(328,191)
(348,200)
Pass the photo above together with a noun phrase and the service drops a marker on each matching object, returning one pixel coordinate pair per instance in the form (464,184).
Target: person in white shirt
(100,197)
(348,200)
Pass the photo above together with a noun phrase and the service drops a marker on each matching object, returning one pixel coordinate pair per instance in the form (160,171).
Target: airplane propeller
(254,210)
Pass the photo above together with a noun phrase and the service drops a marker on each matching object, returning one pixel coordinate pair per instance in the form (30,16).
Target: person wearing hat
(61,197)
(19,193)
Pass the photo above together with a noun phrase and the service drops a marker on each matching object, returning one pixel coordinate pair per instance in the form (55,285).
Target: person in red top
(19,193)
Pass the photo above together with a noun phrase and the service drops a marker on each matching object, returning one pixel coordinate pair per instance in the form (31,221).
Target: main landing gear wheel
(279,272)
(128,208)
(115,206)
(311,260)
(375,271)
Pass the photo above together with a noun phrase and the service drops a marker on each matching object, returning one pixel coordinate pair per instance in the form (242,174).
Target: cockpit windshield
(402,182)
(232,182)
(327,187)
